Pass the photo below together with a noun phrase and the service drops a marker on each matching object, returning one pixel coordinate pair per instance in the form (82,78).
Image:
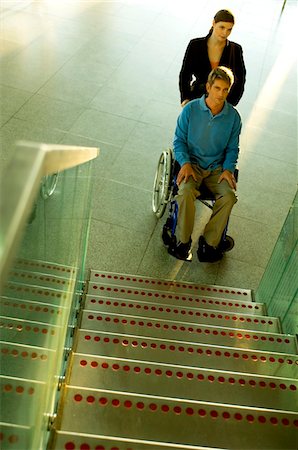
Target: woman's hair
(221,73)
(224,15)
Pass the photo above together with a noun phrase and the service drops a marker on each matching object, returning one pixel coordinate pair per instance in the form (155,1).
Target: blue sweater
(206,140)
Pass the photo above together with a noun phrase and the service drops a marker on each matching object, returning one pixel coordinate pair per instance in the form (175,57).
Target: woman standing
(204,54)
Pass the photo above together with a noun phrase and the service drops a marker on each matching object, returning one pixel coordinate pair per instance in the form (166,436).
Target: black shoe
(181,251)
(226,244)
(207,253)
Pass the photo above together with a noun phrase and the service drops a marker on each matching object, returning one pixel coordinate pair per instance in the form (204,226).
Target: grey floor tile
(270,144)
(134,169)
(120,103)
(275,174)
(103,163)
(103,126)
(48,112)
(268,207)
(16,129)
(161,114)
(69,89)
(114,248)
(12,99)
(236,273)
(126,206)
(84,67)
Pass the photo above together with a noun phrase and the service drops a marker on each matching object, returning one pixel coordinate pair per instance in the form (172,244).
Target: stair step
(190,354)
(15,436)
(45,267)
(29,361)
(172,286)
(166,297)
(187,331)
(202,316)
(37,294)
(64,440)
(25,309)
(29,333)
(41,279)
(20,396)
(164,419)
(184,382)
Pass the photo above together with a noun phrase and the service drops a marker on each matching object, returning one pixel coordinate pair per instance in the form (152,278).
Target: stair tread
(171,285)
(36,293)
(188,331)
(28,360)
(41,279)
(28,332)
(20,395)
(206,316)
(45,267)
(183,421)
(63,439)
(193,354)
(184,300)
(176,381)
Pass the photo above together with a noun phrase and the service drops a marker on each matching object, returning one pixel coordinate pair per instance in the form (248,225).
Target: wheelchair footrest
(168,238)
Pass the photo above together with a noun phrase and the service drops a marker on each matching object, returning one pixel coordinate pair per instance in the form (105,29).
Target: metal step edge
(189,331)
(106,288)
(17,286)
(207,316)
(40,279)
(202,355)
(81,439)
(158,298)
(20,394)
(26,332)
(172,381)
(185,367)
(44,266)
(191,302)
(152,397)
(13,435)
(117,413)
(25,359)
(36,293)
(25,309)
(133,280)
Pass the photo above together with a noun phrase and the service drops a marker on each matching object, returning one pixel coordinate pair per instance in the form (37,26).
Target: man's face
(218,92)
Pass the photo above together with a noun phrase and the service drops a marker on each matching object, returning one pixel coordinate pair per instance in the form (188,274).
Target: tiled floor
(104,73)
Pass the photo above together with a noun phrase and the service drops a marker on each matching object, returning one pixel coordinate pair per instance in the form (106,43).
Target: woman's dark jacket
(196,63)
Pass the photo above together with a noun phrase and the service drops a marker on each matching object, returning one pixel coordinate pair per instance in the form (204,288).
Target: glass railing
(279,287)
(43,246)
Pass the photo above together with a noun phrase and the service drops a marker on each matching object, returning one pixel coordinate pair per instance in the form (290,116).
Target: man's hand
(185,172)
(229,176)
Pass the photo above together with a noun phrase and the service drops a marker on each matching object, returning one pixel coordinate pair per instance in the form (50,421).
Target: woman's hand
(184,102)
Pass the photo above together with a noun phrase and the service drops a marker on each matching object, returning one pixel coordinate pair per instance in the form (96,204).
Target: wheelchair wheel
(162,187)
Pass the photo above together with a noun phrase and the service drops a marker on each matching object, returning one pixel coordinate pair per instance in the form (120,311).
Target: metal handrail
(20,186)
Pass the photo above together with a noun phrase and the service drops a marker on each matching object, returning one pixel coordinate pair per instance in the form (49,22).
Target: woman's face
(222,30)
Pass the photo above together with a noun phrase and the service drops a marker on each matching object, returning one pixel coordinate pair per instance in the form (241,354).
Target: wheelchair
(164,190)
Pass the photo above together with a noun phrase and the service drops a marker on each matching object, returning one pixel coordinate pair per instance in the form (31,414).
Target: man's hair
(221,73)
(224,15)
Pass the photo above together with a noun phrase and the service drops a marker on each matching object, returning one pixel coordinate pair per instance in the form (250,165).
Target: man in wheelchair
(206,147)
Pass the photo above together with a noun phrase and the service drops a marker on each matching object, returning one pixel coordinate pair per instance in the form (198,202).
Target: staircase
(159,364)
